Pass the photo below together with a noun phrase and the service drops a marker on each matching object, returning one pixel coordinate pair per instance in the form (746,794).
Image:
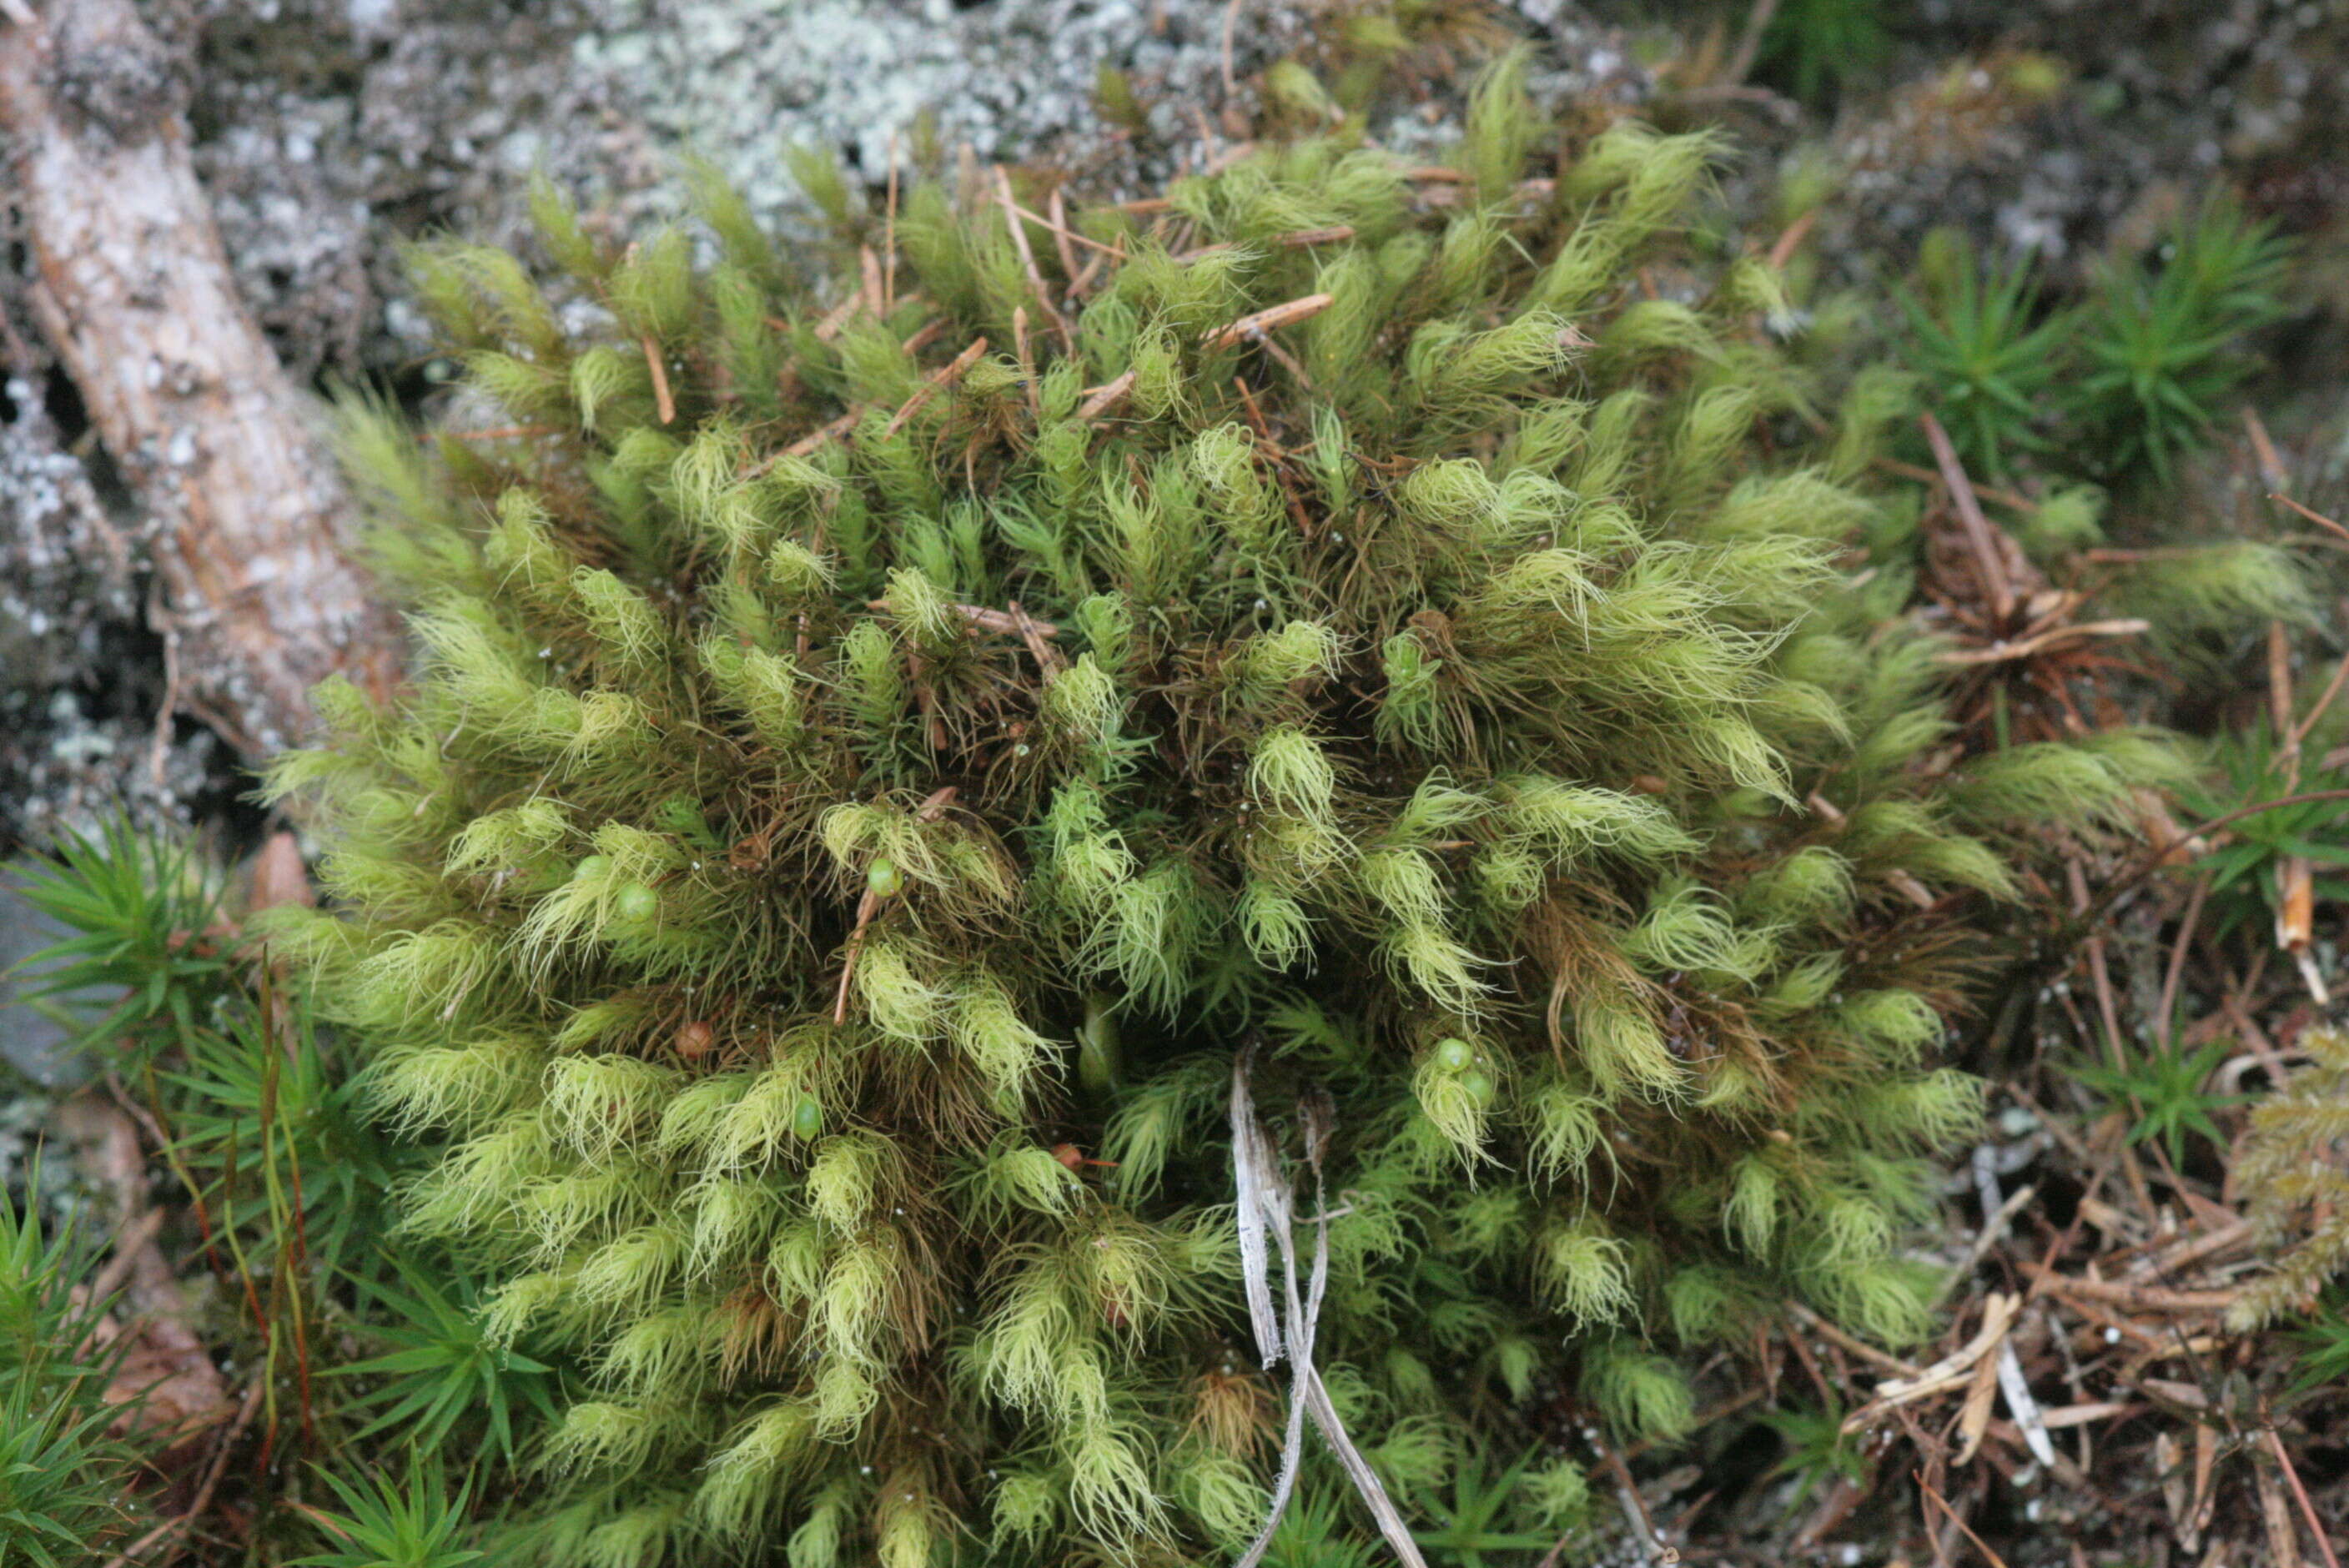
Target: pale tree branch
(132,288)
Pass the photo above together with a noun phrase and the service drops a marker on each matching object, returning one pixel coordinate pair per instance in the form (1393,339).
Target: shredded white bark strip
(1261,1192)
(1954,1371)
(1267,1215)
(2021,1405)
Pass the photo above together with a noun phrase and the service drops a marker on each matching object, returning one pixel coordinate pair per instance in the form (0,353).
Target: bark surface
(135,293)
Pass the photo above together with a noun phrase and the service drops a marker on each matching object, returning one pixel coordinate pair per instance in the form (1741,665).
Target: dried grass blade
(1252,1169)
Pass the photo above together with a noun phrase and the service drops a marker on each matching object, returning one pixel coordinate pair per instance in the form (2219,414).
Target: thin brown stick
(2143,1297)
(838,316)
(1018,228)
(2106,1008)
(2305,798)
(1255,324)
(663,401)
(1970,514)
(1106,397)
(816,438)
(1056,220)
(1296,239)
(1652,1546)
(2332,689)
(2180,1255)
(172,1528)
(1792,239)
(2300,1495)
(2317,517)
(1856,1346)
(1272,454)
(1012,623)
(2005,498)
(2272,466)
(1021,351)
(945,375)
(2275,1516)
(2176,972)
(2024,647)
(866,907)
(1300,239)
(1035,634)
(1994,1560)
(2280,701)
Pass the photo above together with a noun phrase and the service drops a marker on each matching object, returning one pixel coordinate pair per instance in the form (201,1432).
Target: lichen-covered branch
(133,289)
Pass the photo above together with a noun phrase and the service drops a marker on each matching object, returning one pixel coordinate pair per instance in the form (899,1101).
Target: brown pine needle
(816,438)
(2023,647)
(1943,1504)
(502,433)
(2299,1494)
(1970,514)
(1101,400)
(2004,498)
(1271,318)
(1058,221)
(944,377)
(662,400)
(1013,622)
(1012,221)
(1792,239)
(2317,517)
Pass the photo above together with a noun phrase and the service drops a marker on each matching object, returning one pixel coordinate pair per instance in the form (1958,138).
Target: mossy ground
(2096,1195)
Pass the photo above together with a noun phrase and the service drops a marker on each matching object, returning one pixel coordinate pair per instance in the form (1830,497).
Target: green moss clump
(887,743)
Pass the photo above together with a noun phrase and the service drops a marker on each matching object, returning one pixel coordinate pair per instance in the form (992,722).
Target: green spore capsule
(1479,1087)
(593,868)
(1454,1054)
(807,1119)
(883,880)
(636,904)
